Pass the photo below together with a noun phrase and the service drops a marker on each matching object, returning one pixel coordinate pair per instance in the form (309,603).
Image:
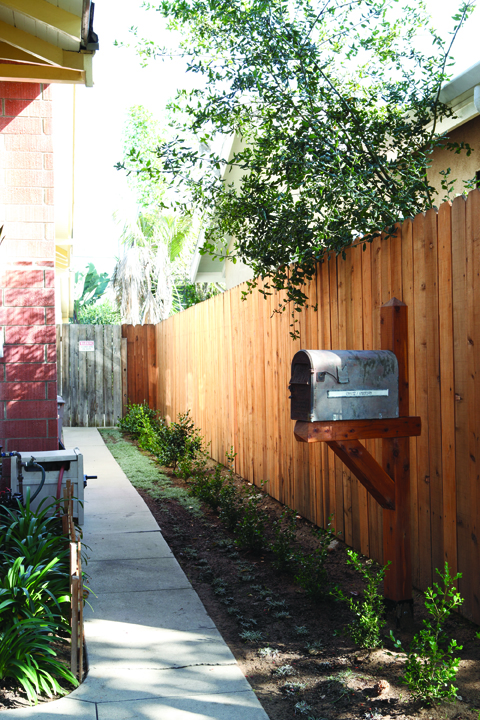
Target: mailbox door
(301,388)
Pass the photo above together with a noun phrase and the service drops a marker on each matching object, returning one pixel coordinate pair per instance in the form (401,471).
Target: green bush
(139,419)
(284,538)
(250,529)
(431,664)
(170,443)
(207,487)
(230,505)
(311,573)
(103,314)
(369,612)
(178,440)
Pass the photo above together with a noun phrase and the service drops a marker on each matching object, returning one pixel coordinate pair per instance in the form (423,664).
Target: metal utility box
(344,385)
(52,461)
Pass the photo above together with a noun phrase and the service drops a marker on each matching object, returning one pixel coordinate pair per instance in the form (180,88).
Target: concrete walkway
(153,652)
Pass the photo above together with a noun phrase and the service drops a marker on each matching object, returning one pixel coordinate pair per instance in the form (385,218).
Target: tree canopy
(336,105)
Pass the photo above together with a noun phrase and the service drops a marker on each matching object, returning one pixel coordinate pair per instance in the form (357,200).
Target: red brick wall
(28,388)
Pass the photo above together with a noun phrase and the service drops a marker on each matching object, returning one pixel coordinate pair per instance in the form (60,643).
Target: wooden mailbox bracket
(390,484)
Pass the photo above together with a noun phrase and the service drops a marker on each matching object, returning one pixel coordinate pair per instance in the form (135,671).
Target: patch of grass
(144,474)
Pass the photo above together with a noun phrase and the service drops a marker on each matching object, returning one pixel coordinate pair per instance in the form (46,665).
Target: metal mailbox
(344,385)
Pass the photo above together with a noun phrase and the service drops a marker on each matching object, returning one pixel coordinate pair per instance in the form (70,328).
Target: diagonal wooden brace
(364,466)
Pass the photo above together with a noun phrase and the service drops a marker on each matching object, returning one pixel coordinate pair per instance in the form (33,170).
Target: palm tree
(154,258)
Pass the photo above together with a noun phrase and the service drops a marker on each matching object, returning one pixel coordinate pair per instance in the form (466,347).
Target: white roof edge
(463,82)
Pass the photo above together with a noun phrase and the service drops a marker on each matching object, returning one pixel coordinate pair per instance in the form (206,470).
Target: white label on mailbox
(356,393)
(86,345)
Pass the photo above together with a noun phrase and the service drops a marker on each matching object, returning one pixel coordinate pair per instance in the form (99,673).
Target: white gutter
(467,80)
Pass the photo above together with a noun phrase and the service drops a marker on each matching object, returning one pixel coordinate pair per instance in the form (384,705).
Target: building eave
(42,42)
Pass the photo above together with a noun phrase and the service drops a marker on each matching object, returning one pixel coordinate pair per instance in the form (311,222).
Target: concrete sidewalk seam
(173,697)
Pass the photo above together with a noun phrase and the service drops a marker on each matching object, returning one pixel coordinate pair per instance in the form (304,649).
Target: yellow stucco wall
(462,167)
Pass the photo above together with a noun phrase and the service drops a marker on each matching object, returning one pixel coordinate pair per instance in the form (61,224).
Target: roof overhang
(462,93)
(45,42)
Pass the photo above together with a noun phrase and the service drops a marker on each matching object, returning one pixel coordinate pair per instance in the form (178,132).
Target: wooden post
(396,462)
(124,377)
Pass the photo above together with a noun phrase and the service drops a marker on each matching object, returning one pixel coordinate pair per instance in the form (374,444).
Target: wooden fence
(141,364)
(76,584)
(229,362)
(91,374)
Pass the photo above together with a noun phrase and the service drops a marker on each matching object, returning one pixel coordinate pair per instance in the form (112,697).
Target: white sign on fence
(86,345)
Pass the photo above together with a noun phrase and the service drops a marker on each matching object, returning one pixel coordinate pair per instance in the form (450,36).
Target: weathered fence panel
(90,374)
(228,361)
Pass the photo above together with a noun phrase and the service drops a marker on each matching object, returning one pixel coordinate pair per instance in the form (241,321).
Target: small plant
(230,501)
(285,671)
(178,440)
(207,487)
(192,464)
(220,587)
(302,707)
(314,648)
(268,652)
(26,592)
(250,530)
(284,537)
(275,604)
(311,573)
(292,688)
(26,657)
(431,665)
(139,419)
(369,612)
(301,630)
(252,636)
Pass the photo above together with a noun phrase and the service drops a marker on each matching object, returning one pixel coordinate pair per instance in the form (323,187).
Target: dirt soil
(305,665)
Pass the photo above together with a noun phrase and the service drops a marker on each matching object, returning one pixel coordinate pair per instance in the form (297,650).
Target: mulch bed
(331,679)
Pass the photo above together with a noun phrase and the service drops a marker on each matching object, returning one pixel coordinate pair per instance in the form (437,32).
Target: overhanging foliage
(336,107)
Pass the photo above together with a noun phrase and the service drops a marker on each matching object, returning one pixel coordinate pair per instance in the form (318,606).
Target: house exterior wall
(462,167)
(28,387)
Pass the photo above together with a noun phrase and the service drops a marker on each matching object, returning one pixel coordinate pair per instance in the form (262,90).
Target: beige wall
(463,167)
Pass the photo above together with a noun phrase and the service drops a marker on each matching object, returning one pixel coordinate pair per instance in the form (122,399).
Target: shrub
(284,532)
(230,505)
(170,443)
(207,487)
(102,314)
(311,573)
(369,612)
(431,665)
(139,419)
(250,529)
(178,440)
